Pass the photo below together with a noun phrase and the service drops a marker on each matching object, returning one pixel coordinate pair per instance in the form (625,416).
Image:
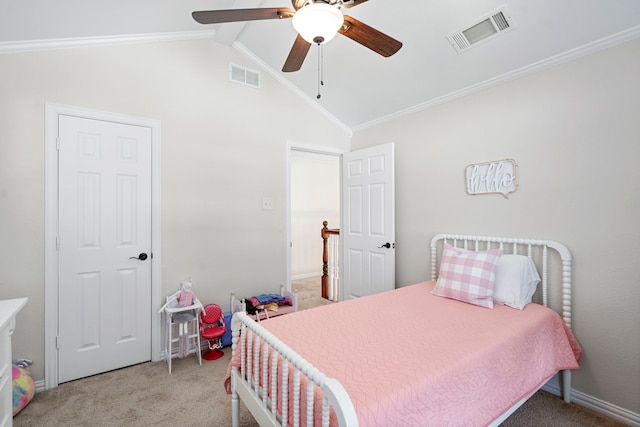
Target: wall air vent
(245,76)
(485,28)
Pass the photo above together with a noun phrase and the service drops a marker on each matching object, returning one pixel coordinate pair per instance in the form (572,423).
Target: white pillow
(516,281)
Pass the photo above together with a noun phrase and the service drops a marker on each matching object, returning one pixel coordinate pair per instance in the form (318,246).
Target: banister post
(325,260)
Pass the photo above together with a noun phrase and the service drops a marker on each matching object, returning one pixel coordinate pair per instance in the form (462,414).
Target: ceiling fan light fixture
(318,23)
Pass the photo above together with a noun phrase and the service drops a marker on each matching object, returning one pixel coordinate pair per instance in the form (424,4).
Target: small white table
(8,311)
(186,321)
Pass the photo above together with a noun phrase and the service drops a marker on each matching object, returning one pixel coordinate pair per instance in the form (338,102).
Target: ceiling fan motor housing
(318,22)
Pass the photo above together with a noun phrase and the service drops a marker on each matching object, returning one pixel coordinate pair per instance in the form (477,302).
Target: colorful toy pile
(23,387)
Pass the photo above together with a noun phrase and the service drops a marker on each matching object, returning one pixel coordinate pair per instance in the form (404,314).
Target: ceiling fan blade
(297,55)
(353,3)
(369,37)
(234,15)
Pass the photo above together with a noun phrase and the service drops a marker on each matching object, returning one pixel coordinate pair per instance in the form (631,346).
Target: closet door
(104,246)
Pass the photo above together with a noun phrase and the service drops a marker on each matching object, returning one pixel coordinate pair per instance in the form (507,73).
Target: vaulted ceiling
(360,87)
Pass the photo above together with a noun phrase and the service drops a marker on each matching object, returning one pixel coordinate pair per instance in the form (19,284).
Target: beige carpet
(309,293)
(193,395)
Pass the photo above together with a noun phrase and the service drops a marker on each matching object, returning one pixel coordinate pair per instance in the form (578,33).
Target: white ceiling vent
(485,28)
(245,76)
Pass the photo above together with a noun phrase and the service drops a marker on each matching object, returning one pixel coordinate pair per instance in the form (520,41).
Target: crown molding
(570,55)
(82,42)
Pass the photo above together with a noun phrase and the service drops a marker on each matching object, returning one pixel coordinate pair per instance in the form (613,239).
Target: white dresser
(8,310)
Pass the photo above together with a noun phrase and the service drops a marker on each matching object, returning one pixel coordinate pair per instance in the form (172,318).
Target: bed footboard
(260,377)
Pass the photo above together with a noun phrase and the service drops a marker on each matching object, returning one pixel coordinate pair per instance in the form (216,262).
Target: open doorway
(314,188)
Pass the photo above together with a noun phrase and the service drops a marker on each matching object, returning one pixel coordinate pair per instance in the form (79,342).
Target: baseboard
(595,404)
(606,408)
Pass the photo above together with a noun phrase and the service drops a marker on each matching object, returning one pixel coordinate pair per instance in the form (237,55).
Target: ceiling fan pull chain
(320,70)
(321,65)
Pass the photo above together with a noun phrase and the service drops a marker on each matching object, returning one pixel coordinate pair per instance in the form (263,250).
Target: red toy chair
(212,327)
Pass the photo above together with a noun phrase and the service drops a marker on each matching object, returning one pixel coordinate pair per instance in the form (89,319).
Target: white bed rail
(247,384)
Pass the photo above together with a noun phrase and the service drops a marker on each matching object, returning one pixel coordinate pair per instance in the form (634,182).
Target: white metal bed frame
(246,385)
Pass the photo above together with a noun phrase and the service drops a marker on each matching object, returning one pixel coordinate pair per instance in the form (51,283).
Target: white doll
(182,298)
(186,297)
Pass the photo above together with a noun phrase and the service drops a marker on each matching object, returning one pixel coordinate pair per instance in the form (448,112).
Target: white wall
(574,131)
(223,147)
(315,197)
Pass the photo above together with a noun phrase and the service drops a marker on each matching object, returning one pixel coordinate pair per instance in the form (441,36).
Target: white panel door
(104,230)
(368,224)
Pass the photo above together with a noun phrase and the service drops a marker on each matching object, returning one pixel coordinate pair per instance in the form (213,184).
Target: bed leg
(235,404)
(566,385)
(235,410)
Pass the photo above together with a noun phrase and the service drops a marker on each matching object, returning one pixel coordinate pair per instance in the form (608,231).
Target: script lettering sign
(500,177)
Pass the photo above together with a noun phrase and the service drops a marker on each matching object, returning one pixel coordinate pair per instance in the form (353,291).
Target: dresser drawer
(8,311)
(6,402)
(5,348)
(6,382)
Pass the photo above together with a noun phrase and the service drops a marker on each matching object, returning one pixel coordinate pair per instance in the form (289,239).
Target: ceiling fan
(316,21)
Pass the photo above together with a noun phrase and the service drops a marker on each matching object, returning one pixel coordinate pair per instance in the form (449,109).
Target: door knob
(386,245)
(141,257)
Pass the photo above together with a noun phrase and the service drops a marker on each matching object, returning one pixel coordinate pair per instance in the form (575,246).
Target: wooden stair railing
(325,233)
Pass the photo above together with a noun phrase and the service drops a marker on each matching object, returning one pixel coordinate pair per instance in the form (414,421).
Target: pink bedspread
(408,358)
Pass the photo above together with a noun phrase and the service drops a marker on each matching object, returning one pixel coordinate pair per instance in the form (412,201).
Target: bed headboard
(520,246)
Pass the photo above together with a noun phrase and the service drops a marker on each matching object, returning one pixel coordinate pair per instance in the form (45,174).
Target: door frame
(51,259)
(291,146)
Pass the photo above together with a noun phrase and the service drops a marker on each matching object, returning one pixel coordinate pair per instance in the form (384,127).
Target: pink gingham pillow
(467,276)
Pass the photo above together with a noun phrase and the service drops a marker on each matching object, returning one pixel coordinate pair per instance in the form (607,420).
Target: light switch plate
(267,203)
